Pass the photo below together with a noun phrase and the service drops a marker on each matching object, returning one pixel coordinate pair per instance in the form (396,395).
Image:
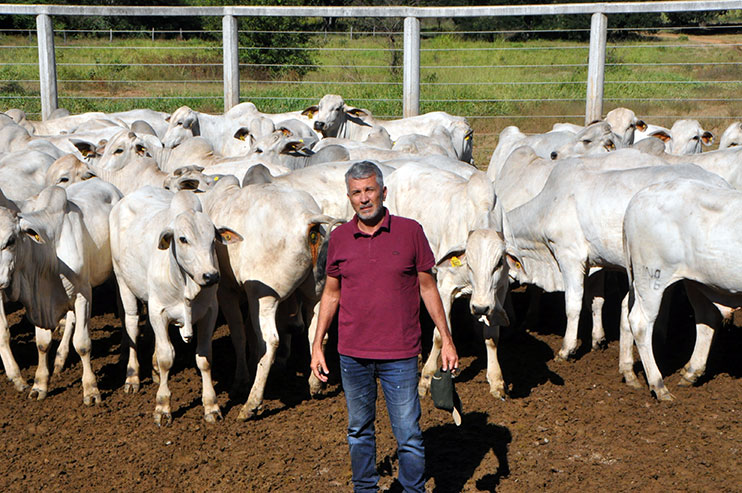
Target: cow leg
(165,357)
(596,288)
(707,317)
(641,319)
(263,318)
(83,346)
(626,347)
(12,371)
(131,325)
(41,378)
(64,346)
(446,290)
(204,358)
(229,304)
(574,280)
(494,373)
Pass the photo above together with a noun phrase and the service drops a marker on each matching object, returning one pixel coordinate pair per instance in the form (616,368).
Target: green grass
(531,84)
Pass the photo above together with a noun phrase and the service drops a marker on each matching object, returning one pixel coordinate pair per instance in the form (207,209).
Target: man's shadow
(453,452)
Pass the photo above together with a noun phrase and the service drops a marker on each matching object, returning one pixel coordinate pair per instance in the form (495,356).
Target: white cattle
(65,258)
(726,163)
(449,131)
(596,138)
(624,123)
(732,136)
(685,137)
(333,118)
(468,256)
(377,138)
(162,246)
(574,224)
(280,227)
(16,138)
(681,230)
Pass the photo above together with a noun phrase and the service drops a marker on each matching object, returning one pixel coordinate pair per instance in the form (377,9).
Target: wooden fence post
(47,65)
(231,62)
(596,68)
(411,84)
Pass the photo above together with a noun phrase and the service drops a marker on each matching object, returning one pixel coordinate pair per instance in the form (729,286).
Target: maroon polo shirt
(379,315)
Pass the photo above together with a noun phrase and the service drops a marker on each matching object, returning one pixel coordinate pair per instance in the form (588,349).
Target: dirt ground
(564,427)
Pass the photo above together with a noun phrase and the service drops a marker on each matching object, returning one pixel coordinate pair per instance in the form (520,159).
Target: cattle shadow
(523,357)
(453,453)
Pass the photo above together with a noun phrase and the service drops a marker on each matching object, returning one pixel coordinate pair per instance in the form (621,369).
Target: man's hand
(449,358)
(319,367)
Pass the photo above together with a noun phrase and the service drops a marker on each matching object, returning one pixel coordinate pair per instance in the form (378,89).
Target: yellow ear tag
(455,262)
(37,237)
(216,178)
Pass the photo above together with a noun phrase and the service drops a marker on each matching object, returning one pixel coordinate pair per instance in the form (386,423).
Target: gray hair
(364,169)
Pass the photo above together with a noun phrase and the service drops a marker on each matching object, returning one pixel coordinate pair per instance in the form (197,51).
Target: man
(378,267)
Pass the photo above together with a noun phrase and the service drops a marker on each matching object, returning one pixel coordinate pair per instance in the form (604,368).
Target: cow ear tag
(455,262)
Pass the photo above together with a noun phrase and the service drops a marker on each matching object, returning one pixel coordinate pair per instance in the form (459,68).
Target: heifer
(732,136)
(163,252)
(280,227)
(574,224)
(681,230)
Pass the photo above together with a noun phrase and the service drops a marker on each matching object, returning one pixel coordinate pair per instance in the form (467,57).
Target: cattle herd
(193,213)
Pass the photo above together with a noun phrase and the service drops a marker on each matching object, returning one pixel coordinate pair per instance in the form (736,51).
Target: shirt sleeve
(424,258)
(333,265)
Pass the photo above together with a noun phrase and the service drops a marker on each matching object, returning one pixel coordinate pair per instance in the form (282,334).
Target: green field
(531,84)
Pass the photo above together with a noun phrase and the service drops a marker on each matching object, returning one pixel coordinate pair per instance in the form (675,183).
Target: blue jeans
(399,383)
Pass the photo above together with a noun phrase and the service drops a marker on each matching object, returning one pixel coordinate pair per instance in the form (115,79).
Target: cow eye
(258,151)
(183,240)
(63,179)
(179,124)
(586,141)
(118,151)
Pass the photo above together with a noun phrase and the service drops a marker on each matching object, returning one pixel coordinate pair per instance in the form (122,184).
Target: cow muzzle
(210,278)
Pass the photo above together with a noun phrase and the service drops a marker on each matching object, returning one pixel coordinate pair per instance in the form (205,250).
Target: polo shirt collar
(385,225)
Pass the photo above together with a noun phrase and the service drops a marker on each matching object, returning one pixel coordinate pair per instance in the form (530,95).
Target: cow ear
(166,237)
(707,138)
(167,118)
(640,125)
(30,230)
(87,149)
(285,131)
(309,112)
(356,112)
(242,133)
(662,135)
(227,236)
(292,146)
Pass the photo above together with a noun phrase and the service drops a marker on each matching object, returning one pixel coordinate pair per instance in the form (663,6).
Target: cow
(685,137)
(282,237)
(732,136)
(596,138)
(55,246)
(682,230)
(162,247)
(468,255)
(574,224)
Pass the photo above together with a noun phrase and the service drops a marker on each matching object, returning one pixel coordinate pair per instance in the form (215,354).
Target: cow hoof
(601,344)
(163,419)
(562,356)
(632,381)
(92,399)
(664,395)
(37,394)
(213,417)
(20,385)
(498,394)
(247,413)
(131,388)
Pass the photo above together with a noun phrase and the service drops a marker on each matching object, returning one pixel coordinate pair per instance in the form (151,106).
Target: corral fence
(590,75)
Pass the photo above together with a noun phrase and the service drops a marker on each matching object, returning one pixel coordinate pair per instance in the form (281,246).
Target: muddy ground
(565,426)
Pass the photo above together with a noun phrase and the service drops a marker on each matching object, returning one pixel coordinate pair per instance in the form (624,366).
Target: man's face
(366,197)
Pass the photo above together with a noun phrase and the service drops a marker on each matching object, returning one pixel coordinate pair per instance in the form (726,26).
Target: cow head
(688,137)
(624,123)
(183,123)
(68,170)
(123,148)
(332,114)
(732,136)
(596,138)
